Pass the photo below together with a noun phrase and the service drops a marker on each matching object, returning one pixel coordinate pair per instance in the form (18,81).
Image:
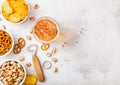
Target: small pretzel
(21,42)
(45,46)
(17,49)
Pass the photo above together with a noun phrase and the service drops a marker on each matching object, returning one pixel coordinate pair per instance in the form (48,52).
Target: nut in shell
(53,50)
(3,27)
(36,6)
(28,64)
(21,58)
(31,31)
(32,18)
(54,59)
(48,54)
(55,69)
(12,73)
(28,37)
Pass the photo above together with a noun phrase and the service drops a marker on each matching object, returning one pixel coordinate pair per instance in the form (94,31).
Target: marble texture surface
(91,29)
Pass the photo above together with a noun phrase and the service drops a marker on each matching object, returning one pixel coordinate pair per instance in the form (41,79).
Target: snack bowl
(19,22)
(5,40)
(56,28)
(12,72)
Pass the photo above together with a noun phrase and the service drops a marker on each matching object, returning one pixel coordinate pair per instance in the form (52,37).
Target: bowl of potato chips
(6,43)
(15,11)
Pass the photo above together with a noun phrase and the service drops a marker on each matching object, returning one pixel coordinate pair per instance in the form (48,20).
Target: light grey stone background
(91,29)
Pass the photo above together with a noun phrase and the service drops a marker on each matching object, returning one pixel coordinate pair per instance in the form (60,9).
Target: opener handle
(38,68)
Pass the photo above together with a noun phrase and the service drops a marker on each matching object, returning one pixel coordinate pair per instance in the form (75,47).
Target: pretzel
(45,46)
(21,42)
(5,42)
(17,49)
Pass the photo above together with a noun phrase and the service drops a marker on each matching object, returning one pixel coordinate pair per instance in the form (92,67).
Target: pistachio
(36,6)
(28,37)
(54,59)
(48,54)
(22,58)
(53,50)
(28,64)
(11,71)
(55,69)
(31,31)
(3,27)
(32,18)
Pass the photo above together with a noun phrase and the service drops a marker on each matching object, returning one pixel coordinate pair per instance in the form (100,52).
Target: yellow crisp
(15,10)
(30,80)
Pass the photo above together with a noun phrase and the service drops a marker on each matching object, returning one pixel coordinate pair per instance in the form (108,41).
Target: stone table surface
(88,48)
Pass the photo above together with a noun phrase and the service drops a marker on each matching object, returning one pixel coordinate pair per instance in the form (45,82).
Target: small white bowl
(20,21)
(12,44)
(21,83)
(42,41)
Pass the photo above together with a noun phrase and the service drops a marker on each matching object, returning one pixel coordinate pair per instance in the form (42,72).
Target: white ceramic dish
(12,44)
(20,21)
(23,69)
(42,41)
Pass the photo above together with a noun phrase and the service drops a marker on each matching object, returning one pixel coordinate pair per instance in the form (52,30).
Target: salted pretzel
(21,42)
(5,42)
(17,49)
(45,46)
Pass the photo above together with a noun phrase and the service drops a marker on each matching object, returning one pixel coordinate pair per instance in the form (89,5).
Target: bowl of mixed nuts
(12,72)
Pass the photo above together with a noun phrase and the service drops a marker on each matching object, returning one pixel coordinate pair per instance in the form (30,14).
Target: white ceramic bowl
(42,41)
(21,83)
(12,44)
(20,21)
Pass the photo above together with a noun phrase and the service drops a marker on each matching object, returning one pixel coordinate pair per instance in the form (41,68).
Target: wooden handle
(38,68)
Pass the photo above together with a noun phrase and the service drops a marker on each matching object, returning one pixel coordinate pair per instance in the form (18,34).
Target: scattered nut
(54,59)
(31,31)
(32,18)
(36,6)
(28,37)
(48,54)
(55,69)
(21,58)
(53,50)
(3,27)
(28,64)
